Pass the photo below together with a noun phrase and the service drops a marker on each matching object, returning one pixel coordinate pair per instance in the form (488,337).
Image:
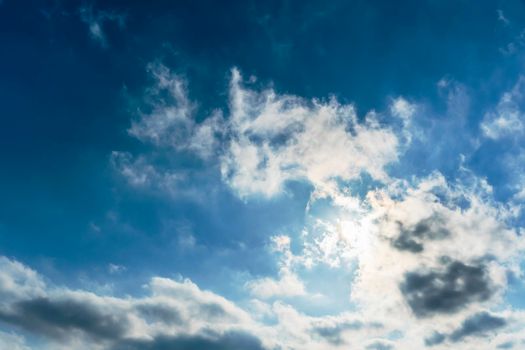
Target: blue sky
(262,175)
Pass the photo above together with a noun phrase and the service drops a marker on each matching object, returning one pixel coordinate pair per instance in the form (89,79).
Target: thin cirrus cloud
(506,119)
(96,20)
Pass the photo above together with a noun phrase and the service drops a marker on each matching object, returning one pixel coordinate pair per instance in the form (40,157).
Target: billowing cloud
(266,139)
(426,253)
(276,138)
(176,313)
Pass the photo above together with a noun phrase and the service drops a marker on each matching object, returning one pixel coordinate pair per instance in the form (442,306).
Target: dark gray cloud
(68,318)
(446,291)
(478,325)
(435,339)
(412,238)
(62,319)
(227,341)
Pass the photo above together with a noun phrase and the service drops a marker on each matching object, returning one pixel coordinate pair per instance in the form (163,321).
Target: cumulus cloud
(172,314)
(179,314)
(175,312)
(429,253)
(266,139)
(276,138)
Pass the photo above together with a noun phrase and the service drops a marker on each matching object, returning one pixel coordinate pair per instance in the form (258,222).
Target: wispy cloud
(96,20)
(506,120)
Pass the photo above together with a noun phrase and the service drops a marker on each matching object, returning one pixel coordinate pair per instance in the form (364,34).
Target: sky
(252,175)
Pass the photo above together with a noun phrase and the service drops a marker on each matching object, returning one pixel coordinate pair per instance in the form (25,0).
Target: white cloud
(170,309)
(267,139)
(171,122)
(430,230)
(275,138)
(506,119)
(462,223)
(400,107)
(173,311)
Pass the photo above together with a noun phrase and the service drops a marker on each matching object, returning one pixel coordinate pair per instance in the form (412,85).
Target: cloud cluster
(266,139)
(175,314)
(431,256)
(276,138)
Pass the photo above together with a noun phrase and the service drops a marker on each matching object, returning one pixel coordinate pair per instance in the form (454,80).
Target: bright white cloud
(267,139)
(275,138)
